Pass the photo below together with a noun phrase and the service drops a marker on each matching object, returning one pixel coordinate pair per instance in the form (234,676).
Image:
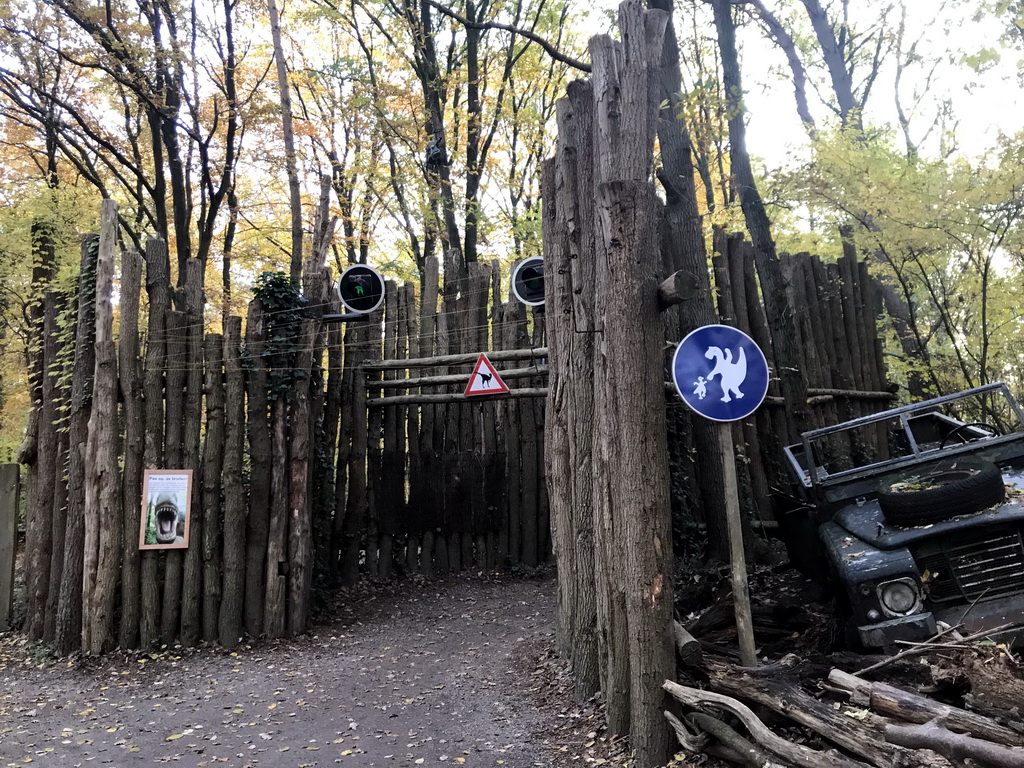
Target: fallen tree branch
(955,747)
(690,741)
(747,752)
(784,696)
(796,754)
(913,708)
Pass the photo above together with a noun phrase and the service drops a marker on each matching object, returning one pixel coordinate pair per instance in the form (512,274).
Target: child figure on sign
(700,390)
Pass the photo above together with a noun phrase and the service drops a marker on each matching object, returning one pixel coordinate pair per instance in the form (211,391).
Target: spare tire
(959,487)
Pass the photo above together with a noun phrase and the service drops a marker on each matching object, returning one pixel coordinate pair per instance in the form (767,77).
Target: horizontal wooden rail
(515,394)
(496,356)
(455,378)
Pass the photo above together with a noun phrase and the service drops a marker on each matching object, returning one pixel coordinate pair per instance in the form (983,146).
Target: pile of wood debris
(954,700)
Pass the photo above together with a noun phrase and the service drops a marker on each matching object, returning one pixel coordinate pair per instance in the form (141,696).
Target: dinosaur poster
(166,504)
(720,373)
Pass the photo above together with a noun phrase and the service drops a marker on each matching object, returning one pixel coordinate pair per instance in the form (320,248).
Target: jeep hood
(865,520)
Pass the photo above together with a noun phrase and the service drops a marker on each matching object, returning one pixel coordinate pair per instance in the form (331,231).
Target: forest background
(895,121)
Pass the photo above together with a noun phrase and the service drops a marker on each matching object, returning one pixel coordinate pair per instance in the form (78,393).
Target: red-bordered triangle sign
(485,379)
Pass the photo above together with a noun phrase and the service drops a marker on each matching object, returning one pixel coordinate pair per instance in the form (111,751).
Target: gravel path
(431,676)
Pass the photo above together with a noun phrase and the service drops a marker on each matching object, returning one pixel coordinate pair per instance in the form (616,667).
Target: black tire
(961,487)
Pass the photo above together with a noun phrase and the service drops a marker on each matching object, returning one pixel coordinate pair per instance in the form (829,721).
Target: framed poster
(166,504)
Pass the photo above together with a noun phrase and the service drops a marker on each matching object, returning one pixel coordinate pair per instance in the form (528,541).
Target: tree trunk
(134,444)
(40,518)
(213,462)
(779,310)
(300,533)
(68,630)
(153,391)
(277,538)
(193,569)
(101,562)
(231,606)
(257,525)
(288,134)
(174,442)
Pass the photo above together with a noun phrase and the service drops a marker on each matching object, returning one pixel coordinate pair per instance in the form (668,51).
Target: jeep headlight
(899,597)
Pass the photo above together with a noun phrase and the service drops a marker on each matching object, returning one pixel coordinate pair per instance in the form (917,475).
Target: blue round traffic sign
(720,373)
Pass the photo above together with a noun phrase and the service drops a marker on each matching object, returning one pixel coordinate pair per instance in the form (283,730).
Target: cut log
(687,646)
(895,702)
(796,754)
(954,746)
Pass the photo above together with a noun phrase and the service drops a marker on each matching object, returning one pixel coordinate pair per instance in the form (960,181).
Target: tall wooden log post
(102,525)
(569,250)
(191,454)
(174,443)
(231,606)
(300,518)
(633,418)
(68,629)
(258,431)
(130,372)
(213,463)
(10,498)
(153,392)
(40,517)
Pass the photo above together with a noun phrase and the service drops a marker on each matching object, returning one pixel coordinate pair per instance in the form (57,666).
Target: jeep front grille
(973,568)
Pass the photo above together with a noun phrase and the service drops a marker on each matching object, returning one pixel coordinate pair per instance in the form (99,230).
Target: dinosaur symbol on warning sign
(485,378)
(731,373)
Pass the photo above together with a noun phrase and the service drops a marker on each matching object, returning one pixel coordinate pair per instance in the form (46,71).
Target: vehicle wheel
(956,488)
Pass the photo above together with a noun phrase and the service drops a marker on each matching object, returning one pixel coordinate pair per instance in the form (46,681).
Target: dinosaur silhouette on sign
(731,373)
(485,378)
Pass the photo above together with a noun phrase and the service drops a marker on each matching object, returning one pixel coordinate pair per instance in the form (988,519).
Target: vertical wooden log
(153,388)
(409,428)
(174,442)
(191,453)
(213,466)
(102,526)
(515,319)
(317,290)
(495,469)
(39,520)
(59,524)
(639,486)
(258,522)
(232,602)
(375,426)
(558,301)
(391,495)
(356,506)
(429,467)
(68,630)
(10,500)
(134,445)
(277,538)
(300,529)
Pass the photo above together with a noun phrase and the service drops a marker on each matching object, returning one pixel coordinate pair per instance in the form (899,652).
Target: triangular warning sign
(485,380)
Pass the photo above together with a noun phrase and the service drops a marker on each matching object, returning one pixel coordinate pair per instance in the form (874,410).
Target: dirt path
(429,677)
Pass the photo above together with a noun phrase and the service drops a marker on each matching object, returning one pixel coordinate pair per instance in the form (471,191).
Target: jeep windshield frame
(816,478)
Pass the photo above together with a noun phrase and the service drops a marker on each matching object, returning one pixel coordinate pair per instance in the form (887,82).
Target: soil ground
(456,672)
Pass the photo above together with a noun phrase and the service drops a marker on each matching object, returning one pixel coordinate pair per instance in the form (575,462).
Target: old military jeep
(919,514)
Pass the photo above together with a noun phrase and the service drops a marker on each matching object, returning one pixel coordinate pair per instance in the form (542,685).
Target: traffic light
(528,281)
(361,288)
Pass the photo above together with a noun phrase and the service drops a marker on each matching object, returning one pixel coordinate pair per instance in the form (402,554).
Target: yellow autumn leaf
(173,737)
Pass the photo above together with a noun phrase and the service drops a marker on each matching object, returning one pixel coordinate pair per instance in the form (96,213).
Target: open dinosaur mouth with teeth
(166,523)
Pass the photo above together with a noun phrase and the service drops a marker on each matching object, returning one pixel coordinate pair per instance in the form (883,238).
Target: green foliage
(284,309)
(946,236)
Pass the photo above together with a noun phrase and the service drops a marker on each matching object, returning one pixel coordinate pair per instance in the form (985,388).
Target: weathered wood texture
(10,498)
